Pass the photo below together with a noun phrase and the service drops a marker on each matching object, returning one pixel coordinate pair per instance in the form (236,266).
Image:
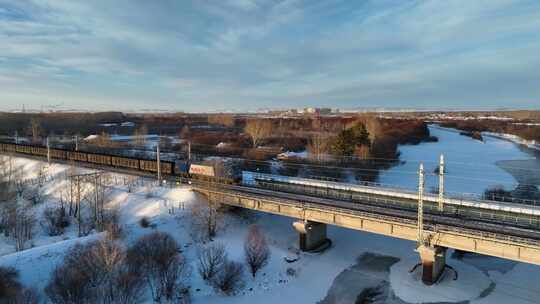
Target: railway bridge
(434,221)
(434,232)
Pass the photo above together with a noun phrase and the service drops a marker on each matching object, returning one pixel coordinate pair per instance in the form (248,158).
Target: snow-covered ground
(316,275)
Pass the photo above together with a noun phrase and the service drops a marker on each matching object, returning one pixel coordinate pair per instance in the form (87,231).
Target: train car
(39,151)
(209,173)
(151,166)
(202,170)
(58,154)
(24,149)
(181,168)
(125,162)
(99,159)
(77,156)
(5,147)
(167,168)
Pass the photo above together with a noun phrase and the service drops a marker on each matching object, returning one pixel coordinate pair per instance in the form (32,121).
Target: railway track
(433,222)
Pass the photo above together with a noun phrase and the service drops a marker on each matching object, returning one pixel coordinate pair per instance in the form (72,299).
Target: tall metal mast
(158,165)
(421,205)
(48,151)
(441,183)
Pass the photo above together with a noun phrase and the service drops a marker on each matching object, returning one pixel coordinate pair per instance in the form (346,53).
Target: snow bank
(291,154)
(533,144)
(36,265)
(409,287)
(91,137)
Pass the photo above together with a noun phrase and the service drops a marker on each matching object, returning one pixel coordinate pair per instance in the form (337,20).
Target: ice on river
(470,164)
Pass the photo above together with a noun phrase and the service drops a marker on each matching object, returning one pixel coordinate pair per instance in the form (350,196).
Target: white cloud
(196,55)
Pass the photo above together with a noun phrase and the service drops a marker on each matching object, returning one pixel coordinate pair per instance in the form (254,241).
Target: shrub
(497,193)
(95,273)
(144,222)
(9,284)
(230,279)
(12,291)
(156,257)
(110,222)
(55,220)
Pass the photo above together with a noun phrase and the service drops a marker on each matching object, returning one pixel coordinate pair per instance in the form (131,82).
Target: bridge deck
(474,236)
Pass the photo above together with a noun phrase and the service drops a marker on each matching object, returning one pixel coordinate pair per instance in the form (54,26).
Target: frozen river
(471,165)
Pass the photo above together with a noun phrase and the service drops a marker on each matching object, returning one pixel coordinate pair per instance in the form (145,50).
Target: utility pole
(96,208)
(48,151)
(158,165)
(16,137)
(189,150)
(421,205)
(76,143)
(441,183)
(78,181)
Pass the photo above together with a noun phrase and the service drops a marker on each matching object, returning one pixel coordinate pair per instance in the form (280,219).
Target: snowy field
(339,275)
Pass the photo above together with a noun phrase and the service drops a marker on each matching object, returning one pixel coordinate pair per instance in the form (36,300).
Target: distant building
(325,111)
(317,111)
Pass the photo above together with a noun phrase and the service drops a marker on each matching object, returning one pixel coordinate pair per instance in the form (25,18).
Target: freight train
(168,168)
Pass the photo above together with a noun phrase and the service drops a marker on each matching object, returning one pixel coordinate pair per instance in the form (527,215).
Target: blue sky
(242,55)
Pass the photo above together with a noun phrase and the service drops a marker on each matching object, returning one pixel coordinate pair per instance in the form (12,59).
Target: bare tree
(21,185)
(98,196)
(131,182)
(7,213)
(35,194)
(35,129)
(96,272)
(18,222)
(68,190)
(68,286)
(28,295)
(318,146)
(211,260)
(9,283)
(185,132)
(12,291)
(23,231)
(6,178)
(205,220)
(256,249)
(127,286)
(157,259)
(258,129)
(373,126)
(226,120)
(230,279)
(140,135)
(110,222)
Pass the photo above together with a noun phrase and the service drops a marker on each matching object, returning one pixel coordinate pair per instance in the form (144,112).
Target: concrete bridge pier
(433,262)
(312,234)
